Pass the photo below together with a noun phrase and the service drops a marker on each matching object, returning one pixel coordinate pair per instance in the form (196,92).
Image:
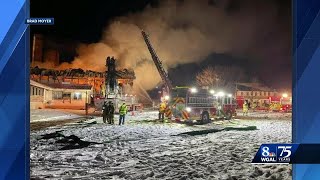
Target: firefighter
(122,112)
(104,112)
(245,108)
(162,109)
(110,113)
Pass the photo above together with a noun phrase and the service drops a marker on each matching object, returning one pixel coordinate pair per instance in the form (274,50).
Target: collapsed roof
(121,74)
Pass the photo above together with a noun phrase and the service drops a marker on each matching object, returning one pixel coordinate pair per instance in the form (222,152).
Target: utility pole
(86,105)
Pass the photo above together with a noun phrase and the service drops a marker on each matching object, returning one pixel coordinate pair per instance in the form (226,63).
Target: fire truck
(185,103)
(201,105)
(281,104)
(286,104)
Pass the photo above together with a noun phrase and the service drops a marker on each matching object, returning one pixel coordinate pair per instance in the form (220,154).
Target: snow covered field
(50,115)
(266,115)
(152,151)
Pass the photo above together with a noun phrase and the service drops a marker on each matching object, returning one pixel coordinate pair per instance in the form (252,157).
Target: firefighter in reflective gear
(104,112)
(122,112)
(245,108)
(162,109)
(110,115)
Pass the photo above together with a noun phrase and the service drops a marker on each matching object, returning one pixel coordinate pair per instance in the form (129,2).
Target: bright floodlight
(229,95)
(212,91)
(194,90)
(285,95)
(166,97)
(188,109)
(221,94)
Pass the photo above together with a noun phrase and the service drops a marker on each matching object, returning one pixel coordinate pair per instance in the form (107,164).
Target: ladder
(158,63)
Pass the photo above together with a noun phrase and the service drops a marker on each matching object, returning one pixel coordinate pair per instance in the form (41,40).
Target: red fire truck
(286,104)
(200,105)
(281,104)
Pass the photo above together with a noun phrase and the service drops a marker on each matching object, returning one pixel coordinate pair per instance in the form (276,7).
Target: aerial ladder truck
(113,92)
(187,103)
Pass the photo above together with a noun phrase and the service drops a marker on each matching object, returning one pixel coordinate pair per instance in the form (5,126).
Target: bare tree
(221,77)
(207,77)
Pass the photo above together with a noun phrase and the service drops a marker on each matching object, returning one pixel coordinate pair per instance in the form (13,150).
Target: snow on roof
(70,86)
(38,84)
(61,85)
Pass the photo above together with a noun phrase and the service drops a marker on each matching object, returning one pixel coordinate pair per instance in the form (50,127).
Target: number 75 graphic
(285,149)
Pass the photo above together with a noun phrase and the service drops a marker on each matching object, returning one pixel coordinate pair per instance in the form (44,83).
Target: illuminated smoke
(185,32)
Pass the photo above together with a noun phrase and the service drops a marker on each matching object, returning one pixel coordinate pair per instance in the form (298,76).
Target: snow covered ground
(50,115)
(266,115)
(141,150)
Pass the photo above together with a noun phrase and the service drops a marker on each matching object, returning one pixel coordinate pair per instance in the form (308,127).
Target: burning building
(56,61)
(69,83)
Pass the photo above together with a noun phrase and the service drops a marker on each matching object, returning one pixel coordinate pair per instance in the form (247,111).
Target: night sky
(84,21)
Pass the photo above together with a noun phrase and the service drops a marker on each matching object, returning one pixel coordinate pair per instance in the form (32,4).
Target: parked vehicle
(200,105)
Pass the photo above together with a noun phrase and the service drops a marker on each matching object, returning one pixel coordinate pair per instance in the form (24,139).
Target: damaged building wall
(50,52)
(37,49)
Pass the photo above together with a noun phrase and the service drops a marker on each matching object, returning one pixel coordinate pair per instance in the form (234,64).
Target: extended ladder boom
(157,62)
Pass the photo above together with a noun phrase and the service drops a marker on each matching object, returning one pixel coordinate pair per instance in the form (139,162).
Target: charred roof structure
(80,77)
(120,74)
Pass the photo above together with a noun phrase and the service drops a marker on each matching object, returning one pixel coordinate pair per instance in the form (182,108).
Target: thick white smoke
(180,32)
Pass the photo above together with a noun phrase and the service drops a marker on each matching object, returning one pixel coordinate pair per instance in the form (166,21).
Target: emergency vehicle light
(221,94)
(194,90)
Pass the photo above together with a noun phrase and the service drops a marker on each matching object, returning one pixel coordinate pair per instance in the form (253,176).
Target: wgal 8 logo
(284,153)
(268,154)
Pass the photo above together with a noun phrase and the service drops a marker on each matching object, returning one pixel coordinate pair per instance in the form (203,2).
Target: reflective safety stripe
(175,101)
(123,109)
(168,112)
(178,100)
(185,115)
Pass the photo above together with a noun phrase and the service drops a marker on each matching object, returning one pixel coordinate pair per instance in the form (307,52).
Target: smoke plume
(185,32)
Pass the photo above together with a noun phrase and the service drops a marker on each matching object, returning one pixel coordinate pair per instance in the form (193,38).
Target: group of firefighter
(270,107)
(108,111)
